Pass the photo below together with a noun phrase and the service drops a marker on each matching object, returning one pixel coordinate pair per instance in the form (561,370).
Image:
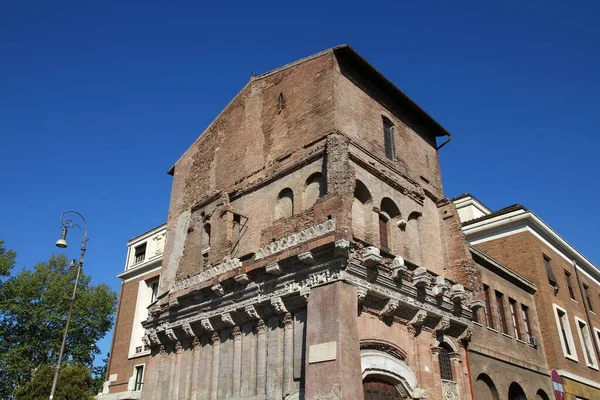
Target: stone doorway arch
(380,366)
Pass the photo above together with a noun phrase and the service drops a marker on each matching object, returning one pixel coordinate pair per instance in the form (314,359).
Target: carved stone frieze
(466,335)
(178,347)
(217,270)
(215,339)
(146,340)
(154,338)
(261,328)
(304,293)
(296,239)
(287,320)
(196,342)
(306,258)
(173,303)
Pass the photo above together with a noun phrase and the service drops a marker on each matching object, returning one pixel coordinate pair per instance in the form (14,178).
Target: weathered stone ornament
(458,294)
(361,294)
(273,269)
(242,279)
(170,334)
(390,307)
(419,318)
(440,287)
(206,325)
(341,248)
(187,329)
(251,312)
(398,268)
(421,278)
(443,325)
(227,320)
(371,257)
(218,289)
(278,305)
(306,258)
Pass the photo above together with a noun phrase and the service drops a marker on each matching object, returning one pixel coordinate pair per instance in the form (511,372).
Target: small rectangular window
(526,323)
(388,138)
(501,314)
(489,318)
(154,287)
(140,253)
(551,278)
(588,299)
(139,375)
(515,321)
(568,278)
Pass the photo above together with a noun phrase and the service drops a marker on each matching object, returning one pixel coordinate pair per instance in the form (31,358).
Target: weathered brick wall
(120,363)
(523,252)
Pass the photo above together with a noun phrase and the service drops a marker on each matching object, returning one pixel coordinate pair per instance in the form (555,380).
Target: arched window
(444,360)
(285,204)
(314,189)
(206,236)
(516,392)
(541,395)
(361,210)
(389,212)
(388,138)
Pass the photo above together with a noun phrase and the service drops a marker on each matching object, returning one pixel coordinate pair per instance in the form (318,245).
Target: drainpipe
(469,370)
(449,135)
(587,313)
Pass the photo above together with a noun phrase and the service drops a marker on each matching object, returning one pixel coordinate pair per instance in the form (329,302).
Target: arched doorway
(378,389)
(516,392)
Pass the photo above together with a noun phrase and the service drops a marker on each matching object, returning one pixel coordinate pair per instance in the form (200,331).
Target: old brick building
(310,253)
(566,296)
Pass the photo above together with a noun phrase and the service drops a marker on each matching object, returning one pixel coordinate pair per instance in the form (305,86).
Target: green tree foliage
(74,383)
(33,311)
(7,259)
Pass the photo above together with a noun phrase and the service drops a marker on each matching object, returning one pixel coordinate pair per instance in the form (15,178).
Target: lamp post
(67,224)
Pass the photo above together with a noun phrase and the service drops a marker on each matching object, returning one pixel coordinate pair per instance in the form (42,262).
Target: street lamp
(67,224)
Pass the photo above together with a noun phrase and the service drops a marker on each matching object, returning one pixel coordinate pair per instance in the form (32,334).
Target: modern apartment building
(567,295)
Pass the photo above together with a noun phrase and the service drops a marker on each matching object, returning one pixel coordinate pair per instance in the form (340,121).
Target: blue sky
(99,99)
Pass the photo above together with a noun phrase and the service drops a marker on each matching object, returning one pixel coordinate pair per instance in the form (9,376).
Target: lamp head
(62,242)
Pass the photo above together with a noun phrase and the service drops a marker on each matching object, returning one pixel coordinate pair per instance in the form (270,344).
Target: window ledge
(522,341)
(492,329)
(142,354)
(477,323)
(591,366)
(592,312)
(507,335)
(572,358)
(574,301)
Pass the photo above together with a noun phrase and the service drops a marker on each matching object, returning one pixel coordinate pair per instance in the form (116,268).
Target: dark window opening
(588,299)
(139,374)
(383,231)
(489,319)
(526,323)
(154,288)
(388,138)
(515,321)
(568,278)
(501,314)
(140,253)
(562,320)
(444,360)
(551,278)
